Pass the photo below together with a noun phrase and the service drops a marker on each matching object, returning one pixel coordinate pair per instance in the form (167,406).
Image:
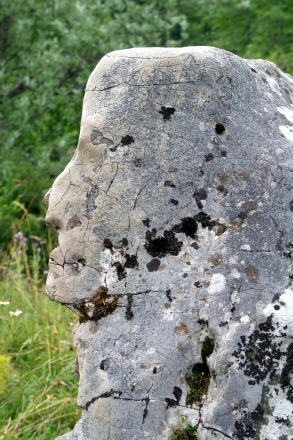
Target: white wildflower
(4,303)
(16,313)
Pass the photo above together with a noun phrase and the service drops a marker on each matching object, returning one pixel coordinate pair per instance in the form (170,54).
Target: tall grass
(38,388)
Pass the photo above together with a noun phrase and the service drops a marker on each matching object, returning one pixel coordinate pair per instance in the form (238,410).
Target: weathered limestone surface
(175,245)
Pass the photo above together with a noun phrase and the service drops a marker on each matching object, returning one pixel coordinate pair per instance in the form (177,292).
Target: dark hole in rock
(131,261)
(126,140)
(221,188)
(162,246)
(168,294)
(153,265)
(81,261)
(104,365)
(188,227)
(198,381)
(242,215)
(223,153)
(167,112)
(146,222)
(291,205)
(185,275)
(169,183)
(155,370)
(220,128)
(207,348)
(209,157)
(175,202)
(124,242)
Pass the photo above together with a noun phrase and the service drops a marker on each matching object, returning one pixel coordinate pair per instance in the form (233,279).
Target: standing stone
(175,244)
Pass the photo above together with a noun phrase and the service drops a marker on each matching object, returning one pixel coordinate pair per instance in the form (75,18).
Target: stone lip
(175,226)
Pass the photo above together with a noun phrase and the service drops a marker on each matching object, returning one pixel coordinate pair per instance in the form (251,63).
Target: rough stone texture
(175,246)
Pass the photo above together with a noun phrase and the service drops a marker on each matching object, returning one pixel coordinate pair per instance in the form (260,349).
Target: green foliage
(184,431)
(199,384)
(38,388)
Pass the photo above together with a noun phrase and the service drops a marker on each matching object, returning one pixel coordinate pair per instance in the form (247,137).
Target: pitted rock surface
(175,246)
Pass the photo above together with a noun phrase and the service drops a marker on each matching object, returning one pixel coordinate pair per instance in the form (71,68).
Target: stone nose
(47,197)
(50,220)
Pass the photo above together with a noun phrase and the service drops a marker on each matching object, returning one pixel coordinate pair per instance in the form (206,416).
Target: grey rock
(175,247)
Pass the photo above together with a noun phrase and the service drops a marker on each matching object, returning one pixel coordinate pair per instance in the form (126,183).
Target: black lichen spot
(120,270)
(220,128)
(209,157)
(129,313)
(259,355)
(168,294)
(194,245)
(155,370)
(185,275)
(175,202)
(107,243)
(177,394)
(199,195)
(162,246)
(223,153)
(126,140)
(291,206)
(153,265)
(169,183)
(198,381)
(287,373)
(246,426)
(167,112)
(170,402)
(253,70)
(205,220)
(197,284)
(130,261)
(188,226)
(146,222)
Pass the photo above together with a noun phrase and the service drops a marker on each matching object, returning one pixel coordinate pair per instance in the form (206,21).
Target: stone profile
(175,223)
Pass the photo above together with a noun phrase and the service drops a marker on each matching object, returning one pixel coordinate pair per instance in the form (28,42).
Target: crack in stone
(210,428)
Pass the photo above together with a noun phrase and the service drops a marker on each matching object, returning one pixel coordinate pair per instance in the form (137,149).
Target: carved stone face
(169,246)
